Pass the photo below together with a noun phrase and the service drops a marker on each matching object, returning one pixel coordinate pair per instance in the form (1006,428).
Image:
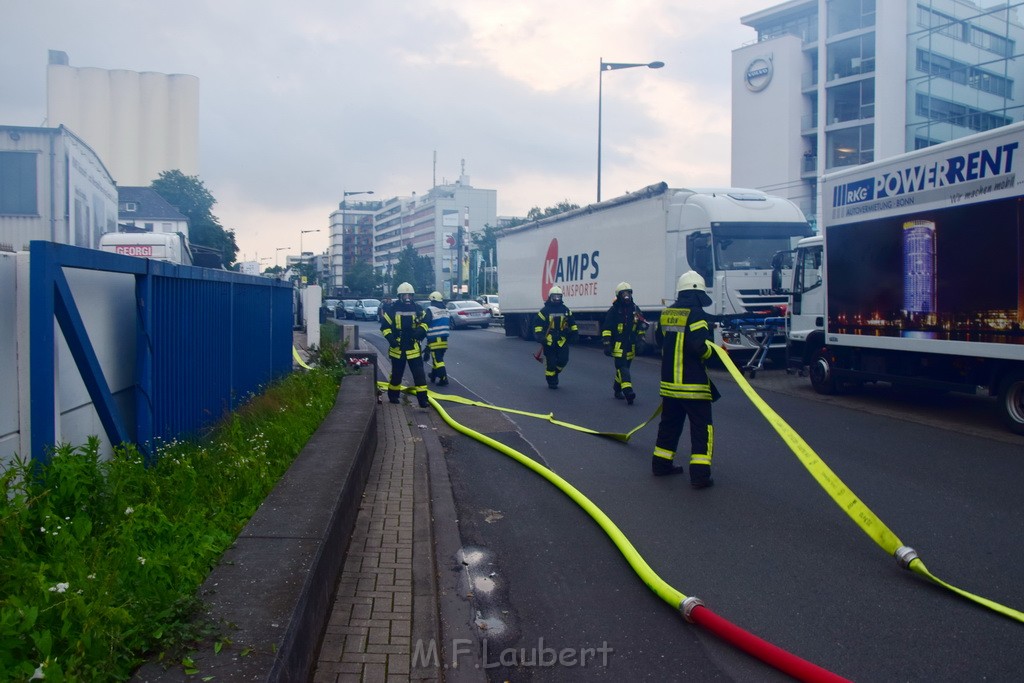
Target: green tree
(416,270)
(361,279)
(189,195)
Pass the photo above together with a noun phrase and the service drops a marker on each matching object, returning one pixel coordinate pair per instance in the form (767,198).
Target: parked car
(366,309)
(490,302)
(466,313)
(331,305)
(347,309)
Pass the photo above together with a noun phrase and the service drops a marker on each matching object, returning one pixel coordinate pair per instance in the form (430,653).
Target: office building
(833,83)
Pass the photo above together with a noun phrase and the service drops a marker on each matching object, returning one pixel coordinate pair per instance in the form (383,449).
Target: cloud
(302,101)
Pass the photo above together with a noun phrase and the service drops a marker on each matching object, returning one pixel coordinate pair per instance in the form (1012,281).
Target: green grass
(100,560)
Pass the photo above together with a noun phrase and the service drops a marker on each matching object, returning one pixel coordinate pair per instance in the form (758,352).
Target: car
(347,309)
(490,302)
(366,309)
(331,304)
(467,313)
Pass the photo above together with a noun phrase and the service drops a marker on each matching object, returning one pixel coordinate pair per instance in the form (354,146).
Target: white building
(54,188)
(436,225)
(833,83)
(145,209)
(139,123)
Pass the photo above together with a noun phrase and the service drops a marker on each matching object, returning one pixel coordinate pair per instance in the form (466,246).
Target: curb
(275,584)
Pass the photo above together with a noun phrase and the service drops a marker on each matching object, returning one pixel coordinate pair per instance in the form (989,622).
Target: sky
(301,101)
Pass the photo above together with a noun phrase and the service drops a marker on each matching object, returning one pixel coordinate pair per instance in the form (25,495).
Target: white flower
(91,576)
(38,675)
(129,510)
(141,559)
(43,529)
(60,587)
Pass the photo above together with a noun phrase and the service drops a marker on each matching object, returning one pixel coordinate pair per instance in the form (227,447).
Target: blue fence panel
(207,340)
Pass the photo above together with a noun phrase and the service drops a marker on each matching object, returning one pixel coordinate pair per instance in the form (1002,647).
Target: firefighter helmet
(623,287)
(691,281)
(435,296)
(555,291)
(405,288)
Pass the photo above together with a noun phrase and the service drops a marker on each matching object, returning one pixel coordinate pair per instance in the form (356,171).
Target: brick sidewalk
(370,633)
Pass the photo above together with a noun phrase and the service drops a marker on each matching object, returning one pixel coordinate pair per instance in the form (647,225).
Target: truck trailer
(918,276)
(649,238)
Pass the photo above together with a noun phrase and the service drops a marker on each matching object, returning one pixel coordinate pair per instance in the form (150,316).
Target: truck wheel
(821,372)
(1011,401)
(525,333)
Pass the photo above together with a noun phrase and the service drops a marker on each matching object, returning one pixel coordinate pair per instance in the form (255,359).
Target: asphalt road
(765,548)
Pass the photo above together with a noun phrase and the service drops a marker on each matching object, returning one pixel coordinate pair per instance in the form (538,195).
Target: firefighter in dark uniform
(437,339)
(404,325)
(622,324)
(554,328)
(684,331)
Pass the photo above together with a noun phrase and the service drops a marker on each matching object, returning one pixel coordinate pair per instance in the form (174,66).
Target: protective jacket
(684,330)
(623,323)
(404,325)
(437,331)
(555,325)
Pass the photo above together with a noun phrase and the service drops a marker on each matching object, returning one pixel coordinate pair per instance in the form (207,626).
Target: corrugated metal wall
(206,341)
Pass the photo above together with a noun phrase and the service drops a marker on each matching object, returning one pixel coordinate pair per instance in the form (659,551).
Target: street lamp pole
(611,66)
(279,250)
(301,252)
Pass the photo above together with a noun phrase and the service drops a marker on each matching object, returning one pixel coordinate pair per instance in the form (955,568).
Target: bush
(100,560)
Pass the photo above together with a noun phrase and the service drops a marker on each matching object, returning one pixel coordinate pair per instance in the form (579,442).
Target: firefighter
(404,325)
(623,323)
(684,331)
(437,339)
(554,328)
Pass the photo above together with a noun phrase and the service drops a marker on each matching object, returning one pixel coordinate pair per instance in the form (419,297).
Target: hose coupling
(905,555)
(688,606)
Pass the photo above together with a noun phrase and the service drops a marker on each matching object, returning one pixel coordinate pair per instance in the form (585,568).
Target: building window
(18,190)
(852,57)
(851,101)
(940,110)
(964,74)
(850,146)
(965,31)
(131,207)
(850,15)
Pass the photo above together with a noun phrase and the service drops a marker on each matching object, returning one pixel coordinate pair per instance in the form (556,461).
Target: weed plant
(101,559)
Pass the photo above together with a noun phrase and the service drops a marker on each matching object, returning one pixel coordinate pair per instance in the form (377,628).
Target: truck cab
(172,247)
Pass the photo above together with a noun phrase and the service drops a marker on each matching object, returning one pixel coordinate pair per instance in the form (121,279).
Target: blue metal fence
(206,341)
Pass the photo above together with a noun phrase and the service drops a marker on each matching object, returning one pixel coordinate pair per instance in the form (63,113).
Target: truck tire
(823,378)
(1011,401)
(525,331)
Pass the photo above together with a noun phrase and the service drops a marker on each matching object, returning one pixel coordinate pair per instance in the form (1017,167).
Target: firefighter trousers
(674,412)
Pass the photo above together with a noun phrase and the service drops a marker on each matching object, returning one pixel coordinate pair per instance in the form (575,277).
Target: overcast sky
(301,101)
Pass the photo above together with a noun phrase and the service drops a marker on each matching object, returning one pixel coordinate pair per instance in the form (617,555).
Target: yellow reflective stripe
(700,459)
(664,453)
(699,325)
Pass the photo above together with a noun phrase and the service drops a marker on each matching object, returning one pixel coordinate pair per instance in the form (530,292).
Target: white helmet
(691,281)
(435,296)
(555,290)
(405,288)
(623,286)
(555,294)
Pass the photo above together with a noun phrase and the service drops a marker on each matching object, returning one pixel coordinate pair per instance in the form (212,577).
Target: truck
(918,276)
(649,238)
(161,246)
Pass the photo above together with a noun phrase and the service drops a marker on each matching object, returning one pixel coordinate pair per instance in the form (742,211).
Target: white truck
(649,238)
(161,246)
(918,276)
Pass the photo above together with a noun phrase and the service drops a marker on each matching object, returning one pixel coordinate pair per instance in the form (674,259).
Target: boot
(700,476)
(630,396)
(618,394)
(393,397)
(443,381)
(664,468)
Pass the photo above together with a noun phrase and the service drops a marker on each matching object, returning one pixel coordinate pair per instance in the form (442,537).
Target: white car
(467,313)
(490,302)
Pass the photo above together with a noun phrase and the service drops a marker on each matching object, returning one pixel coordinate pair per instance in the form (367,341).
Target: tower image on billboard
(919,268)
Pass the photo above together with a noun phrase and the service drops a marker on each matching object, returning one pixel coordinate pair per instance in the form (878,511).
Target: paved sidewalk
(386,601)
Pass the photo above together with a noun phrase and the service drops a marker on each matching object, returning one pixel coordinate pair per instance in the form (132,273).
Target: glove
(394,342)
(608,350)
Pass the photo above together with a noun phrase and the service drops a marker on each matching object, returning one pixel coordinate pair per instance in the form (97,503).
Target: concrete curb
(275,585)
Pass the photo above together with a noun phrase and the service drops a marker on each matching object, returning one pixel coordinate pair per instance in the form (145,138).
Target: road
(765,548)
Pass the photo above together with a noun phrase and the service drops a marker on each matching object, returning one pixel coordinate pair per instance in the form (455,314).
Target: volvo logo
(758,74)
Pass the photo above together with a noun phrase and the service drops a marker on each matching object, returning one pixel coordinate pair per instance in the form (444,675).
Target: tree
(415,269)
(189,195)
(361,279)
(536,213)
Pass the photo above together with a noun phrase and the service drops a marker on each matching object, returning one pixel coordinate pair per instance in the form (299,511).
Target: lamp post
(611,66)
(344,205)
(279,250)
(301,252)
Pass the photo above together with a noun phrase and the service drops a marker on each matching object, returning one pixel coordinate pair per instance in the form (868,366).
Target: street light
(301,252)
(611,66)
(279,250)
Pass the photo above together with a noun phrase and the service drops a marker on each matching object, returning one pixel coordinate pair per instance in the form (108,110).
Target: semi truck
(161,246)
(918,276)
(649,238)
